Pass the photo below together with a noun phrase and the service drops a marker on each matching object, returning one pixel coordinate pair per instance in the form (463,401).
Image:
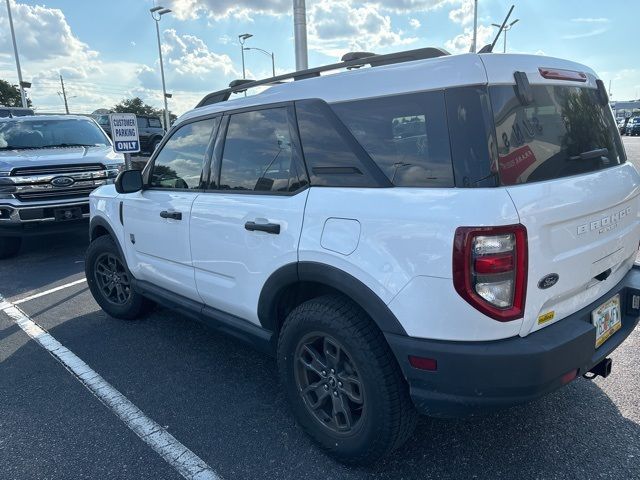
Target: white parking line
(47,292)
(187,463)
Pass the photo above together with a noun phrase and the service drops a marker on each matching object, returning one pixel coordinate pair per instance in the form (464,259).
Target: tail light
(490,269)
(559,74)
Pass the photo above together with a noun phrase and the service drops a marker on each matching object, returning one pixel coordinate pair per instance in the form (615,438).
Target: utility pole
(64,95)
(23,95)
(300,34)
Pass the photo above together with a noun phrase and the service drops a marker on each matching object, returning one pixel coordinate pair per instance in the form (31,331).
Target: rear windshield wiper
(598,152)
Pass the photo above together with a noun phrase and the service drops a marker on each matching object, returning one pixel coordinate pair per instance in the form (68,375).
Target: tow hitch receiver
(603,369)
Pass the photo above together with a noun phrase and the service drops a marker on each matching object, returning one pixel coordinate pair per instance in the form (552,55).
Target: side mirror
(129,181)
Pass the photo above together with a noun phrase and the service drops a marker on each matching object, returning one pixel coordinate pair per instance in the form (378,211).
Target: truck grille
(61,182)
(58,169)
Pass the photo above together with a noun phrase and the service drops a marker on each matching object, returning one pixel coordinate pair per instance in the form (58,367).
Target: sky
(107,51)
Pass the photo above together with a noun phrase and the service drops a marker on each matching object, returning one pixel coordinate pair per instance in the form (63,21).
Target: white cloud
(414,23)
(191,71)
(463,14)
(217,9)
(42,33)
(591,33)
(461,43)
(590,20)
(337,27)
(248,9)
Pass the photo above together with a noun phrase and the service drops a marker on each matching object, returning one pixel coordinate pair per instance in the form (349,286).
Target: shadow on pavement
(223,400)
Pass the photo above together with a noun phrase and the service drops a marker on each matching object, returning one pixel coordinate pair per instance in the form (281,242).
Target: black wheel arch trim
(330,276)
(101,222)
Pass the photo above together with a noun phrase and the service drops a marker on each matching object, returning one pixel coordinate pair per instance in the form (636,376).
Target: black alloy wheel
(329,383)
(112,279)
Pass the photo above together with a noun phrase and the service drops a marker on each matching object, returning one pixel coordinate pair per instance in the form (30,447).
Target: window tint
(406,135)
(564,131)
(472,137)
(142,122)
(330,151)
(155,123)
(258,153)
(179,163)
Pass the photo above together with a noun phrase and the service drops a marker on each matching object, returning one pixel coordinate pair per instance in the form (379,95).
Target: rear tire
(110,281)
(359,409)
(9,246)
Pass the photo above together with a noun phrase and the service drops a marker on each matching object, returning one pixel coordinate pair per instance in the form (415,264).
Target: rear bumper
(476,376)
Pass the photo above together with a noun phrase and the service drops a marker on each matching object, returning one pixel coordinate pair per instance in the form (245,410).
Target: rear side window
(334,158)
(180,163)
(406,135)
(565,131)
(258,153)
(155,123)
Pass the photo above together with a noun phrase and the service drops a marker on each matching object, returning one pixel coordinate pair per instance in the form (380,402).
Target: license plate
(64,214)
(607,319)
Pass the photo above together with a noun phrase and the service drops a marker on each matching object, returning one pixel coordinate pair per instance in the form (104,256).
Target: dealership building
(625,109)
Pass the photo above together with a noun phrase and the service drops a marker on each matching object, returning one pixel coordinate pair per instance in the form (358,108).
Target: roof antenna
(489,48)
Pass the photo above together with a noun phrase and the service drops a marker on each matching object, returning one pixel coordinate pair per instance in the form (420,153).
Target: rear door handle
(171,215)
(273,228)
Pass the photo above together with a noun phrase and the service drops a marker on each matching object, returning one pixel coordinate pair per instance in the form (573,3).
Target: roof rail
(352,60)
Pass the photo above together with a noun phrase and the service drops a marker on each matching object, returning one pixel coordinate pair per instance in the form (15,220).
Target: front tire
(110,281)
(342,381)
(9,246)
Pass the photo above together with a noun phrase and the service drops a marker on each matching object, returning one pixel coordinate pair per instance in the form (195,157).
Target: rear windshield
(565,131)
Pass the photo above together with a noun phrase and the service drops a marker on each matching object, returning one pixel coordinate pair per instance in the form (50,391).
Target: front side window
(180,162)
(406,135)
(36,133)
(564,131)
(142,122)
(258,154)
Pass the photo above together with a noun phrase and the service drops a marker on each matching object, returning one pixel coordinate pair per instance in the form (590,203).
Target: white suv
(436,234)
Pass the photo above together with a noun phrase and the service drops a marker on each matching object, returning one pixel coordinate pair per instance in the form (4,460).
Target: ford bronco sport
(421,233)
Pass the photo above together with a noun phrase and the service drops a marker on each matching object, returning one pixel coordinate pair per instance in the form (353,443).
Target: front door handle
(171,215)
(273,228)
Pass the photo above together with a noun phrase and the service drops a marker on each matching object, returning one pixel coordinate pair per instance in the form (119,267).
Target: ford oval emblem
(62,181)
(548,281)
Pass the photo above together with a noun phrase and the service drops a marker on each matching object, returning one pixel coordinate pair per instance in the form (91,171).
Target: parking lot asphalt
(222,400)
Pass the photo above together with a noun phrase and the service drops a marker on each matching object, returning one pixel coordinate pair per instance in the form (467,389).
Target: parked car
(434,234)
(622,123)
(633,126)
(150,131)
(48,166)
(15,112)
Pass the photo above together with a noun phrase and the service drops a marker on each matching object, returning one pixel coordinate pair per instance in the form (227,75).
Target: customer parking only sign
(124,132)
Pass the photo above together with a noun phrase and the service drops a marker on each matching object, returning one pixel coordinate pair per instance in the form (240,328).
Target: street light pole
(273,61)
(505,30)
(156,14)
(23,96)
(300,34)
(474,47)
(242,38)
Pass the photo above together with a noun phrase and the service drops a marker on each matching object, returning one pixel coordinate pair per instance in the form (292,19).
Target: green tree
(10,95)
(137,106)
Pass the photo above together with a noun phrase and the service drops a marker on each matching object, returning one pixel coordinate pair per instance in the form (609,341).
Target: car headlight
(113,171)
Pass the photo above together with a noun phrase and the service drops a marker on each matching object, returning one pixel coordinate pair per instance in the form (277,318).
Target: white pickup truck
(48,167)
